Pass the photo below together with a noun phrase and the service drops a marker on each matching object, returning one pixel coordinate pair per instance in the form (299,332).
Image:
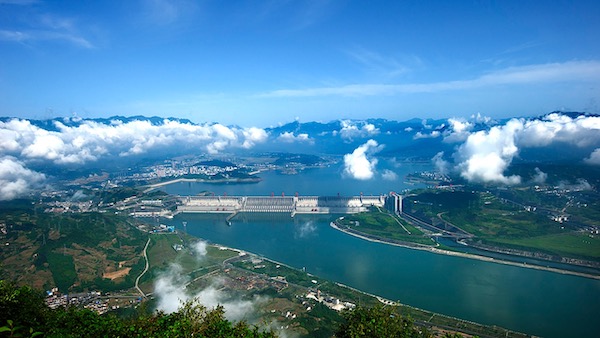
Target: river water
(532,301)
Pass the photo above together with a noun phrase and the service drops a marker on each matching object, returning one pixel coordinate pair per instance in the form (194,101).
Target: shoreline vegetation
(546,224)
(408,245)
(453,325)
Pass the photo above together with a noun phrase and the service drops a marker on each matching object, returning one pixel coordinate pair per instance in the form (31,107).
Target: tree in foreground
(23,313)
(378,321)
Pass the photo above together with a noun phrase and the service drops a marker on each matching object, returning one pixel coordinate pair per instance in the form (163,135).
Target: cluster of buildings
(258,282)
(55,299)
(98,306)
(161,171)
(92,300)
(431,177)
(69,206)
(163,228)
(174,169)
(329,301)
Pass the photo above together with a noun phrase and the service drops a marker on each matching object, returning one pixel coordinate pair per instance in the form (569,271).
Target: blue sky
(268,62)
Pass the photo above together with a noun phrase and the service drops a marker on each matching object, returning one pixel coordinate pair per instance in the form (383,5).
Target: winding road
(137,280)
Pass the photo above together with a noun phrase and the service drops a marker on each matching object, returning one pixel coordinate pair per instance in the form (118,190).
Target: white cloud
(433,134)
(459,130)
(306,229)
(440,164)
(540,177)
(358,165)
(581,131)
(594,157)
(289,137)
(485,155)
(357,129)
(199,249)
(481,119)
(394,162)
(581,185)
(224,132)
(170,292)
(15,179)
(253,136)
(540,73)
(389,175)
(90,141)
(169,289)
(79,195)
(235,309)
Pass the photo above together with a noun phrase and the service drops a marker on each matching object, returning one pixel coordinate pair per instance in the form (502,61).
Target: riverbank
(436,250)
(437,322)
(413,276)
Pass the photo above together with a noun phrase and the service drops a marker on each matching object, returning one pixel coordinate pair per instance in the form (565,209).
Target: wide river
(527,300)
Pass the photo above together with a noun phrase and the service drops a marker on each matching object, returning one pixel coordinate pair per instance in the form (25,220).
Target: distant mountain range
(476,149)
(414,138)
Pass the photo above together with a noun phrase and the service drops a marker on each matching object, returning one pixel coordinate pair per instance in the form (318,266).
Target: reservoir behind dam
(532,301)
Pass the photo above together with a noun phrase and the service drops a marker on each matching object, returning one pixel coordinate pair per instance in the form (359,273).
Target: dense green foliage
(71,249)
(381,224)
(378,322)
(63,269)
(293,276)
(89,230)
(23,306)
(322,321)
(558,172)
(479,213)
(573,244)
(118,194)
(24,313)
(305,159)
(514,218)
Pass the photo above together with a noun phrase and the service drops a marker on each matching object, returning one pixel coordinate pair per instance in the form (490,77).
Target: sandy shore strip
(466,255)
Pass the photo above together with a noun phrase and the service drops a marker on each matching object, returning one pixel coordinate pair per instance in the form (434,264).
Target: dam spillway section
(286,204)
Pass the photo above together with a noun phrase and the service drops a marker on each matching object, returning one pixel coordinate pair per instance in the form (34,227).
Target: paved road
(137,280)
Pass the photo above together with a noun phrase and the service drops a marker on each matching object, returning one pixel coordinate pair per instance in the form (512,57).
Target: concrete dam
(287,204)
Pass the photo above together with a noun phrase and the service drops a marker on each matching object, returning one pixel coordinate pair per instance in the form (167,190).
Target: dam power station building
(288,204)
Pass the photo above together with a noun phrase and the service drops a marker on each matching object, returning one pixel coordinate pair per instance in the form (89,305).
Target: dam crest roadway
(287,204)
